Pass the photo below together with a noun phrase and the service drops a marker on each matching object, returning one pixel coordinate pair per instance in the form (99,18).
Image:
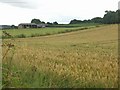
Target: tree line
(38,21)
(110,17)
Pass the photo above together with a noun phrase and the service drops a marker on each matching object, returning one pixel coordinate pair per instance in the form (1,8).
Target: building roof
(5,26)
(27,24)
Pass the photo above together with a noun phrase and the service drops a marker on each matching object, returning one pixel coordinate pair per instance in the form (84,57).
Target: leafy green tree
(14,27)
(110,17)
(118,16)
(36,21)
(49,23)
(55,23)
(97,20)
(43,22)
(75,21)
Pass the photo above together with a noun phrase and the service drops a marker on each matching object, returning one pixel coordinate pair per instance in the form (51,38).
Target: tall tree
(36,21)
(75,21)
(55,23)
(49,23)
(110,17)
(97,20)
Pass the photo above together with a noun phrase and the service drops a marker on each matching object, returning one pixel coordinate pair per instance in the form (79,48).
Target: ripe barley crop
(67,61)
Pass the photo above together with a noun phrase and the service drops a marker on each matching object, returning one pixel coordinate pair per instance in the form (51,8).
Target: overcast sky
(62,11)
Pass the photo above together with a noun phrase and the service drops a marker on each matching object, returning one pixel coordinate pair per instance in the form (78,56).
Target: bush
(48,34)
(5,37)
(21,36)
(35,35)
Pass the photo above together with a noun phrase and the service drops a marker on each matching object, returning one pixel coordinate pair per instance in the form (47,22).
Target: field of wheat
(84,59)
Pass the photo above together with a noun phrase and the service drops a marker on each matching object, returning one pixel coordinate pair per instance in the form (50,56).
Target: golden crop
(87,58)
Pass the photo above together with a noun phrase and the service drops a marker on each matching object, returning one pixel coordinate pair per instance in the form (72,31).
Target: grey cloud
(20,3)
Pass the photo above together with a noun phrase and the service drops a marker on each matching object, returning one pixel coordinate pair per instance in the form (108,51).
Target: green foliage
(35,35)
(55,23)
(43,22)
(23,33)
(14,27)
(49,23)
(118,12)
(110,17)
(75,21)
(97,20)
(20,36)
(74,25)
(36,21)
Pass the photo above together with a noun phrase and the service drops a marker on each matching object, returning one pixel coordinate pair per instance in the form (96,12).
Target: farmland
(86,58)
(57,29)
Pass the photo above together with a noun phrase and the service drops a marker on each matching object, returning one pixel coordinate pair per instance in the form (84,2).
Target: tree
(118,16)
(75,21)
(110,17)
(14,27)
(55,23)
(97,20)
(36,21)
(49,23)
(43,22)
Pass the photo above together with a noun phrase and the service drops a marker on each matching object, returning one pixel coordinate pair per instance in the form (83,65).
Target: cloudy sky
(62,11)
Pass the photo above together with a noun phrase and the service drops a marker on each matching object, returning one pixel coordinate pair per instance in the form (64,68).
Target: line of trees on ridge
(110,17)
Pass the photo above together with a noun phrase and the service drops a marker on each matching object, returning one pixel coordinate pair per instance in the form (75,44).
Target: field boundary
(23,35)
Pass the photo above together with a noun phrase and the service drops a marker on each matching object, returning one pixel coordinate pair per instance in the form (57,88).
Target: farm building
(5,27)
(31,25)
(41,25)
(27,25)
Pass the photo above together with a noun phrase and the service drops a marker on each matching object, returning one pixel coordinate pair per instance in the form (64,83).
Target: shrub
(5,37)
(35,35)
(48,34)
(21,36)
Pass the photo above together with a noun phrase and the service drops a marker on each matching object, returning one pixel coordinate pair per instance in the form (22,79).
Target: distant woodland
(110,17)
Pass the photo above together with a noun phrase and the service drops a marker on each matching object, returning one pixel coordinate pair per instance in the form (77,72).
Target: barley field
(80,59)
